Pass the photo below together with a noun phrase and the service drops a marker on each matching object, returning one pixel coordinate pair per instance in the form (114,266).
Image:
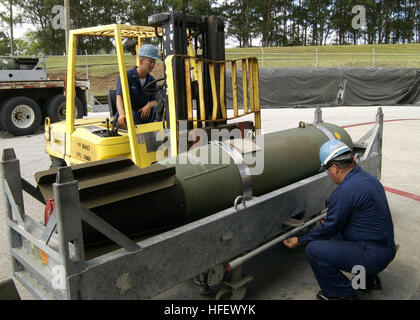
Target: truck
(27,96)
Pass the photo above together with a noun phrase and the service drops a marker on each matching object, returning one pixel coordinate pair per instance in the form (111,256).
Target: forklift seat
(112,102)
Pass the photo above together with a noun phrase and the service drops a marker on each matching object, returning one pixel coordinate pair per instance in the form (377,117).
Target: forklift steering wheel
(147,90)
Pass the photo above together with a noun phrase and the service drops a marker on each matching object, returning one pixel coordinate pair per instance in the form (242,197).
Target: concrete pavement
(280,273)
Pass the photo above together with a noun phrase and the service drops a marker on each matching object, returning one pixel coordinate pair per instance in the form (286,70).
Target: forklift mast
(208,37)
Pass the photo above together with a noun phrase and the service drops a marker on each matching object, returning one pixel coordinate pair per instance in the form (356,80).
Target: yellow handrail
(70,93)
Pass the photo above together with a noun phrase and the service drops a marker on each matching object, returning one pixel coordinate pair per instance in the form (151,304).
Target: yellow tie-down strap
(250,83)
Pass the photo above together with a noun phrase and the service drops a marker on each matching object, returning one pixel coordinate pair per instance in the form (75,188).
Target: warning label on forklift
(83,150)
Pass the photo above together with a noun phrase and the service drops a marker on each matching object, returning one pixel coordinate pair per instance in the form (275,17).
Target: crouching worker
(359,218)
(138,77)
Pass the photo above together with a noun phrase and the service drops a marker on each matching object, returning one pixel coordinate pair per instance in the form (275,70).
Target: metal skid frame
(37,73)
(52,265)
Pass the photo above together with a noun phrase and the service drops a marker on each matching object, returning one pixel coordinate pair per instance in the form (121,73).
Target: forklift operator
(142,104)
(360,220)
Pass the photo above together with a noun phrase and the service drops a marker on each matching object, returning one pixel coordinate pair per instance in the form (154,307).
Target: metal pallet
(54,265)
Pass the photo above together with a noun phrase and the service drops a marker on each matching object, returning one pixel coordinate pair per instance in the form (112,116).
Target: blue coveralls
(137,97)
(360,220)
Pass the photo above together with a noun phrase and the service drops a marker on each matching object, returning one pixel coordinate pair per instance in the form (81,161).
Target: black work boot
(321,296)
(373,283)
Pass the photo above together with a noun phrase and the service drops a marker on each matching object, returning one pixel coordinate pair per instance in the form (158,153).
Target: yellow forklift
(193,91)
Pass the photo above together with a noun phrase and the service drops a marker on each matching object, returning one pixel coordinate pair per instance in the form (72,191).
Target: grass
(394,56)
(98,65)
(383,48)
(391,56)
(59,62)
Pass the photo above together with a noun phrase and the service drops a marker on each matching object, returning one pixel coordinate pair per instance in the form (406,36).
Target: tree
(241,20)
(341,18)
(276,22)
(39,13)
(202,7)
(28,44)
(90,13)
(139,11)
(266,14)
(4,44)
(300,15)
(11,18)
(417,19)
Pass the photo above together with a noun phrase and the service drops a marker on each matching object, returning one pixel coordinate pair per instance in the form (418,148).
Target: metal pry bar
(240,260)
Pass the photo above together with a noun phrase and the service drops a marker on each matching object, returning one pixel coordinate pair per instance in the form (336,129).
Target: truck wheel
(1,121)
(20,116)
(56,108)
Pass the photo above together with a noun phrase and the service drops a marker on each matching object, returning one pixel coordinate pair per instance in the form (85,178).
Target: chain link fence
(318,59)
(313,59)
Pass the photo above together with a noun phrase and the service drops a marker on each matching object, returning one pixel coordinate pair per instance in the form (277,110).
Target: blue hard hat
(150,51)
(331,150)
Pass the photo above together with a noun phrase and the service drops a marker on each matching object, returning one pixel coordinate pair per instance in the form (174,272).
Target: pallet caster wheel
(230,294)
(201,281)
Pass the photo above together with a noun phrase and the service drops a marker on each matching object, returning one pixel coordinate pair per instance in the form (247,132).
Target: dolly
(209,244)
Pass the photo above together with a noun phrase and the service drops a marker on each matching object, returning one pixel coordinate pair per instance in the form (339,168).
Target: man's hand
(145,112)
(121,113)
(122,120)
(291,243)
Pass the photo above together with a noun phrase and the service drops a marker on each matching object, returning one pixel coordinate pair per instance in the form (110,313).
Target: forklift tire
(56,108)
(20,116)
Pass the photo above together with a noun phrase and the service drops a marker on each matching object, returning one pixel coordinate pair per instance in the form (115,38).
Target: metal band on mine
(242,167)
(325,131)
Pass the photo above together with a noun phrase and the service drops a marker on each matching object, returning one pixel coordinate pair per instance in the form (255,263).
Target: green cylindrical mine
(213,181)
(209,185)
(8,64)
(292,155)
(206,179)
